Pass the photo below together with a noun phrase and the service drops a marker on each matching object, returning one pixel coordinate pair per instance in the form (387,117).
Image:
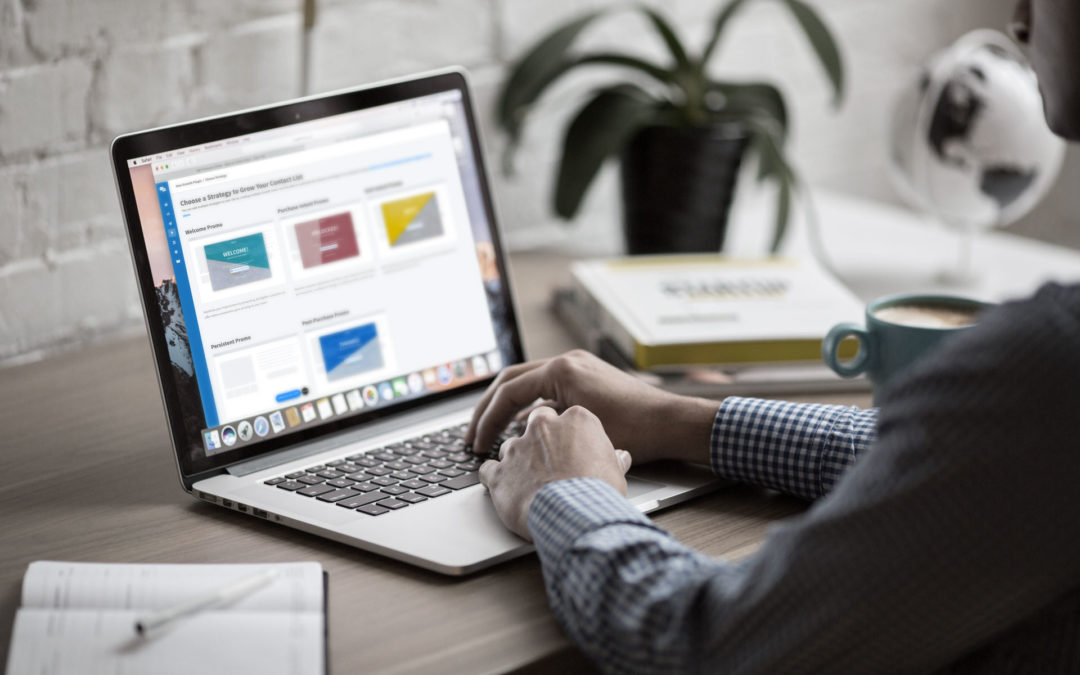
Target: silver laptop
(327,299)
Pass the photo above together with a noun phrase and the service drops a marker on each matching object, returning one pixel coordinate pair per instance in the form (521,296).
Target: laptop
(327,299)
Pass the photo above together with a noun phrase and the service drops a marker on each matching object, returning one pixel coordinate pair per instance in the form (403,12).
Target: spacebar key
(361,500)
(462,481)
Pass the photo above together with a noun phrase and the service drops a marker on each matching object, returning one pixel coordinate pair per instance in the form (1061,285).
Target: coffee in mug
(928,316)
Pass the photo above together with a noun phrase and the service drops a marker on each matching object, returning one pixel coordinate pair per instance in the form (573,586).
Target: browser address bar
(293,160)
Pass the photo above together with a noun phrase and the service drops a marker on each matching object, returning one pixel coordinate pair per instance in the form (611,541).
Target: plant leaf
(536,69)
(719,23)
(674,45)
(824,44)
(524,100)
(783,212)
(773,165)
(755,98)
(600,130)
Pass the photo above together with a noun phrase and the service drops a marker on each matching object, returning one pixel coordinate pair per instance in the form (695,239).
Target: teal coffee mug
(899,329)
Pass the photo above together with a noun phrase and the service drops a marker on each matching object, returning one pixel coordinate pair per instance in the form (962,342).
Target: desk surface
(87,475)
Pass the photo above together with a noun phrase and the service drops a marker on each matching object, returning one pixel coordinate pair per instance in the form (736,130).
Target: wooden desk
(86,474)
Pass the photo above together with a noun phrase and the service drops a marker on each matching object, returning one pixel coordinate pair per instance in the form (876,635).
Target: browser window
(322,269)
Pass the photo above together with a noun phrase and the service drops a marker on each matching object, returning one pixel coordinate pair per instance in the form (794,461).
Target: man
(953,542)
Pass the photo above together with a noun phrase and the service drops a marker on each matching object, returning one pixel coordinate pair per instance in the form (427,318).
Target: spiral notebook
(80,617)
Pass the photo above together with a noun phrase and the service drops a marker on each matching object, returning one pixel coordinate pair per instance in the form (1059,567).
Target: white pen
(148,625)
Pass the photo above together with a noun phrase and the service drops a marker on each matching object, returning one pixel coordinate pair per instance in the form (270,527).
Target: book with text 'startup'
(676,311)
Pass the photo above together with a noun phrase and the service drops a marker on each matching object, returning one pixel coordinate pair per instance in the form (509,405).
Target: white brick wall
(73,73)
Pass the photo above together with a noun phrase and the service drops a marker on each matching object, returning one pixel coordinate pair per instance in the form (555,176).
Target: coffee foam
(927,316)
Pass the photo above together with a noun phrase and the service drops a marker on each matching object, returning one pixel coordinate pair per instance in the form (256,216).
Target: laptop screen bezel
(165,139)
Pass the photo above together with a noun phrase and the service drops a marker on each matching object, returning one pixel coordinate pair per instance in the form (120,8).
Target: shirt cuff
(798,448)
(563,511)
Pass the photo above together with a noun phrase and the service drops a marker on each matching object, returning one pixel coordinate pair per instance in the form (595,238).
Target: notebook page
(87,642)
(75,585)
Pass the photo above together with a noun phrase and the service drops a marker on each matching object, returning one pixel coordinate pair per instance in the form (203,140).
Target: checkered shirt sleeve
(610,572)
(618,584)
(798,448)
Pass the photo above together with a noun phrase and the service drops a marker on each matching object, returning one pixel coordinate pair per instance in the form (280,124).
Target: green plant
(678,94)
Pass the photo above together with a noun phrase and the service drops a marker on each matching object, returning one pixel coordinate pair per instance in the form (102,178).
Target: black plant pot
(677,186)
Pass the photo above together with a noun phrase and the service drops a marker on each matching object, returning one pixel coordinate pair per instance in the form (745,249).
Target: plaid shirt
(952,543)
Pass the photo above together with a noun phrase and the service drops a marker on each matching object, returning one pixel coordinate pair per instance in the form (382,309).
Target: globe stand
(963,274)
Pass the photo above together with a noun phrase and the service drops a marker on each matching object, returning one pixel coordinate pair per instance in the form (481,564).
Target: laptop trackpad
(636,487)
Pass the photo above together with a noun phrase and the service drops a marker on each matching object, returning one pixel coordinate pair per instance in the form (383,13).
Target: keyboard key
(315,490)
(421,469)
(337,495)
(329,474)
(449,473)
(361,500)
(295,474)
(403,475)
(373,510)
(308,479)
(405,451)
(274,481)
(464,481)
(336,463)
(349,467)
(290,485)
(423,443)
(315,469)
(384,480)
(412,497)
(384,456)
(393,503)
(359,475)
(396,466)
(434,454)
(471,465)
(341,482)
(378,471)
(366,461)
(414,484)
(416,460)
(433,491)
(433,478)
(365,487)
(440,464)
(394,489)
(460,457)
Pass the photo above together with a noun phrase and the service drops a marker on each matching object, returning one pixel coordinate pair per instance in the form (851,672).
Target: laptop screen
(312,275)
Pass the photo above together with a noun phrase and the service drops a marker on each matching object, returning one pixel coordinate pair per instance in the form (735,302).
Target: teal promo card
(239,261)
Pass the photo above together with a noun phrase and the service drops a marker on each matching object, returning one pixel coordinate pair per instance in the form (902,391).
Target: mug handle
(832,341)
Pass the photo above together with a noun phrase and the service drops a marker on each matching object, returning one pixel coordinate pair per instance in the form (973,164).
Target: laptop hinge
(403,421)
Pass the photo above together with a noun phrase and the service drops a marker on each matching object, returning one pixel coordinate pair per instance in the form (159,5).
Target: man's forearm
(683,428)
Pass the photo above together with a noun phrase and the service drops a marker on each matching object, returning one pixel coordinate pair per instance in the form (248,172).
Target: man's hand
(649,423)
(554,447)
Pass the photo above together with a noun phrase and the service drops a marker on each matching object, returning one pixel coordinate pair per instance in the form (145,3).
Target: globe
(970,144)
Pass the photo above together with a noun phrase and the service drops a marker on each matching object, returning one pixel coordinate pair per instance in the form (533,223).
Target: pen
(152,623)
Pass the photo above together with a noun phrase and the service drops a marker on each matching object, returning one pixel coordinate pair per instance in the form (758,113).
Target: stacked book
(709,325)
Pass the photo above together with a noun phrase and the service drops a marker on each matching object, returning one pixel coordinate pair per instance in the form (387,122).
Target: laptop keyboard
(395,476)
